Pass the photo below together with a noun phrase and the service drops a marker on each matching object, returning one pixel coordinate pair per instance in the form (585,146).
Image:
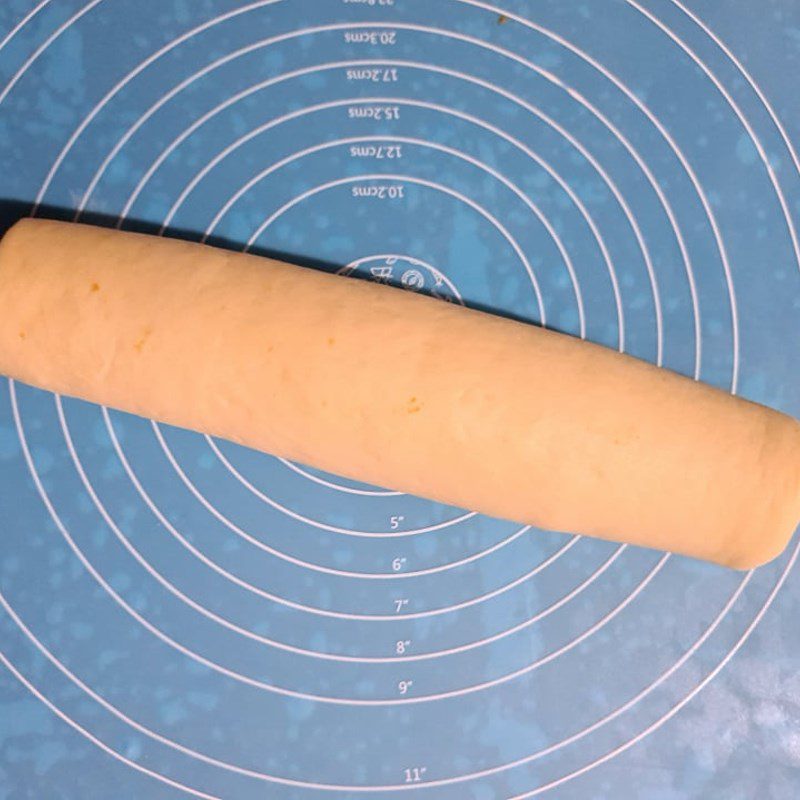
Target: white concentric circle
(21,24)
(407,573)
(300,112)
(264,639)
(218,216)
(401,178)
(150,172)
(191,185)
(279,690)
(160,438)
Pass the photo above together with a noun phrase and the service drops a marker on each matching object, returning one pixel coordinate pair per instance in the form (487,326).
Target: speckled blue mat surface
(182,617)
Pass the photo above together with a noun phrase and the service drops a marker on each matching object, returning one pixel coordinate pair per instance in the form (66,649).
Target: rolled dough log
(398,389)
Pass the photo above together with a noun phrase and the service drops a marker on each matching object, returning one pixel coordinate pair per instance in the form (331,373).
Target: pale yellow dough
(399,390)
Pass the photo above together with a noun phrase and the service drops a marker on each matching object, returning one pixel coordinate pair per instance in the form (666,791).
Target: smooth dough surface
(400,390)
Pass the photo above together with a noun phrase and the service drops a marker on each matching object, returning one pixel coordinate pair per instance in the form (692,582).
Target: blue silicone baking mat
(183,617)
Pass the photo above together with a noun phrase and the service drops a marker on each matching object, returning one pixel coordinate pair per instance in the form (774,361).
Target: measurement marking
(373,74)
(376,151)
(370,37)
(404,686)
(374,112)
(401,646)
(398,563)
(414,774)
(391,191)
(394,522)
(399,605)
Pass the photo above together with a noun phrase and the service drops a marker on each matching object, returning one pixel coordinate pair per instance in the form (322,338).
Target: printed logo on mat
(405,272)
